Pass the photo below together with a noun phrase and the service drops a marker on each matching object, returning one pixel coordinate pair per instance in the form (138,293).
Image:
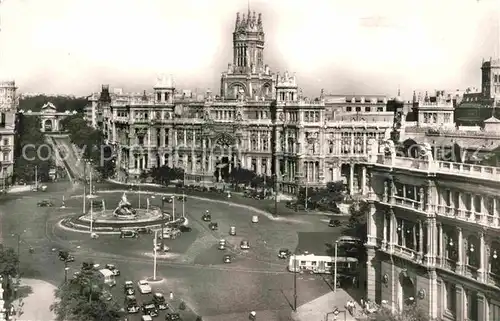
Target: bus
(107,277)
(322,264)
(349,240)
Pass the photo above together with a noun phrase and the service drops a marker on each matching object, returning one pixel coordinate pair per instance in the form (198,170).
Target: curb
(209,199)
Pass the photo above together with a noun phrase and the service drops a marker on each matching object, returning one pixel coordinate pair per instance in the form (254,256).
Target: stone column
(459,314)
(185,138)
(351,151)
(287,150)
(363,180)
(460,243)
(482,271)
(441,249)
(386,221)
(351,179)
(393,227)
(259,143)
(259,165)
(495,212)
(364,144)
(421,239)
(483,312)
(268,166)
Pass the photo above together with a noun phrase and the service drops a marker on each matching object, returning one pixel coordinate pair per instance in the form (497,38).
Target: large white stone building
(9,103)
(259,121)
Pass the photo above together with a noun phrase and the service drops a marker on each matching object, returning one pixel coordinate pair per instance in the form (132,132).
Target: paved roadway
(256,280)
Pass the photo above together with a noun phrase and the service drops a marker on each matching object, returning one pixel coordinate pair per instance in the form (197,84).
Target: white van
(107,277)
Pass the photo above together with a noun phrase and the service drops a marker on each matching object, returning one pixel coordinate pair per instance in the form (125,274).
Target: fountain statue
(124,207)
(103,206)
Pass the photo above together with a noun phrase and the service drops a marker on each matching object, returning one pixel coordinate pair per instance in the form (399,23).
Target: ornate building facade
(9,103)
(259,121)
(433,235)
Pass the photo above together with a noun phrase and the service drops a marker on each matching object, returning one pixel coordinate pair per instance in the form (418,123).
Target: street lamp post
(154,254)
(91,219)
(90,178)
(173,207)
(139,192)
(335,267)
(66,269)
(84,186)
(294,282)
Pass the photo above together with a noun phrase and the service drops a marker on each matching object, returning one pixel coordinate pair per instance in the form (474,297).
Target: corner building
(433,235)
(259,121)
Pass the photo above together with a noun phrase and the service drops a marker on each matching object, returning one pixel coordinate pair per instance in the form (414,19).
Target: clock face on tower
(241,36)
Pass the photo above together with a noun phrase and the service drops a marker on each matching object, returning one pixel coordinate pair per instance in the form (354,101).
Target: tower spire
(248,3)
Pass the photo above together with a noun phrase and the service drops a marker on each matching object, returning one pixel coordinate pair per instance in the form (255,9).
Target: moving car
(213,226)
(128,288)
(227,258)
(222,244)
(146,317)
(170,234)
(159,301)
(144,287)
(255,219)
(182,198)
(284,253)
(334,223)
(206,217)
(158,247)
(45,203)
(244,245)
(149,309)
(144,230)
(166,199)
(131,304)
(66,257)
(89,266)
(126,234)
(183,228)
(173,317)
(113,269)
(232,231)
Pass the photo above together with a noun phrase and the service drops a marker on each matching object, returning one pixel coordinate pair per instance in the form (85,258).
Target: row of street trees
(28,133)
(92,143)
(81,299)
(163,175)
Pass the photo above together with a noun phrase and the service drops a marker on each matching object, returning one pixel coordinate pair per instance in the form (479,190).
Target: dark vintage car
(206,217)
(284,253)
(184,228)
(128,288)
(127,234)
(159,301)
(149,309)
(173,317)
(45,203)
(334,223)
(213,226)
(144,230)
(113,269)
(131,304)
(66,257)
(167,199)
(182,198)
(227,258)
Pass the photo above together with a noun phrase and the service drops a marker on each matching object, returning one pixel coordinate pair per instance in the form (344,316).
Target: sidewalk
(36,305)
(319,307)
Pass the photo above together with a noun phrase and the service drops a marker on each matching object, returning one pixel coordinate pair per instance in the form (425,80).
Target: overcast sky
(344,46)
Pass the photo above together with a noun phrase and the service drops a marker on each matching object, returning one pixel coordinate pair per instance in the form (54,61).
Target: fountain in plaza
(124,208)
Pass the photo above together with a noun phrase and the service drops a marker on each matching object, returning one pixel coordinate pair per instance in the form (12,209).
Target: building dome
(164,81)
(399,100)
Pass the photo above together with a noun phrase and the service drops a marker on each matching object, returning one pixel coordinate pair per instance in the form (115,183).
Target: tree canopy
(30,150)
(62,103)
(411,312)
(358,212)
(92,142)
(164,174)
(80,299)
(322,198)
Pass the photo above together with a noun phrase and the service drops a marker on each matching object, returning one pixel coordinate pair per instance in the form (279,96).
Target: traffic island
(158,279)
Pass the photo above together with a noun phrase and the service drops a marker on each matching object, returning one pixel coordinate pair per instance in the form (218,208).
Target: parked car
(255,219)
(171,234)
(127,234)
(45,203)
(66,257)
(144,287)
(173,317)
(213,226)
(149,309)
(159,301)
(128,288)
(184,229)
(146,317)
(227,258)
(144,230)
(89,266)
(206,217)
(334,223)
(113,269)
(131,304)
(167,199)
(284,253)
(244,245)
(182,198)
(232,231)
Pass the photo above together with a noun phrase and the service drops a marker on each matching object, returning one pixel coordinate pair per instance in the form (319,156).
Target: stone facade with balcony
(433,235)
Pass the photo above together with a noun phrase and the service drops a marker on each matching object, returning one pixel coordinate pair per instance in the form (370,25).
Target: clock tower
(248,77)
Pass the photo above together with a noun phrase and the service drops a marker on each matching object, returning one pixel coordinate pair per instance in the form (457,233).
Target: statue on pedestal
(124,207)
